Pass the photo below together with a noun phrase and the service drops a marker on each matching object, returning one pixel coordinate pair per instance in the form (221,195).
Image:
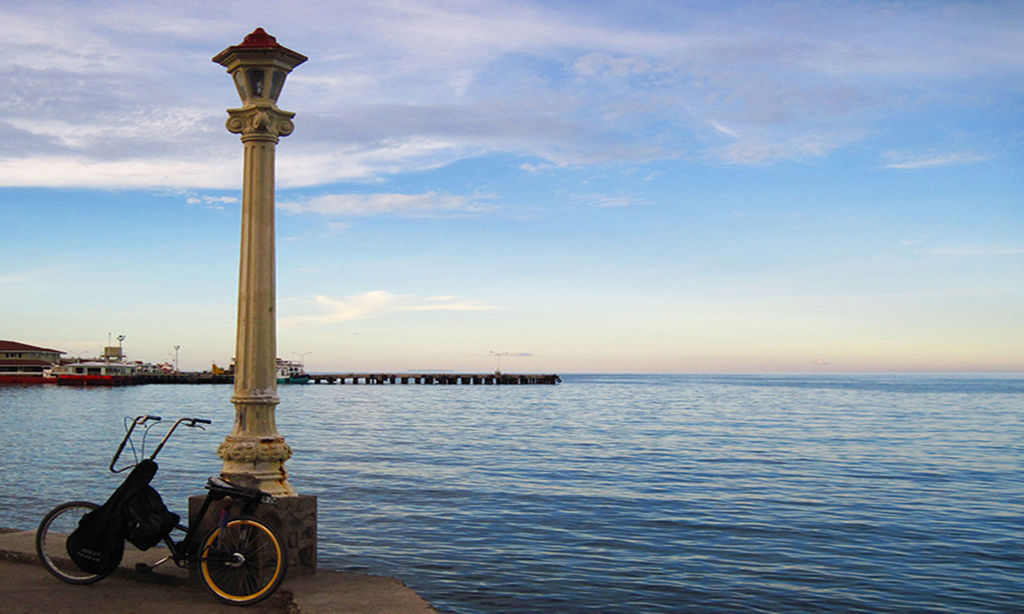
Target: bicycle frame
(241,559)
(183,552)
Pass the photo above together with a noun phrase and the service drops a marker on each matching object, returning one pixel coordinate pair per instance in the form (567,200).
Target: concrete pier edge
(323,592)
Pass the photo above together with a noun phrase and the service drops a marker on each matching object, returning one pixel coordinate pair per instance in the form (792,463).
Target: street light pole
(497,369)
(254,453)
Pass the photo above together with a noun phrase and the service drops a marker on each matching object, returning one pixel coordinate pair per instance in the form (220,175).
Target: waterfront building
(21,363)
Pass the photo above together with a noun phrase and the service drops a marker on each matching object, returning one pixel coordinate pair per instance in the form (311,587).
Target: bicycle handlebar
(137,421)
(190,422)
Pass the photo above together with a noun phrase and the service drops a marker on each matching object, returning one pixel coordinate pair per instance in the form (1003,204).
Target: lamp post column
(254,452)
(255,449)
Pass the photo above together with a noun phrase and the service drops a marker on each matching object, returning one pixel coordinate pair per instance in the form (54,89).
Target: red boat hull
(96,380)
(25,378)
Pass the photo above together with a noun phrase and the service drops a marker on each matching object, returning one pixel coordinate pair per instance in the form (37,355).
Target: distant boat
(95,374)
(291,372)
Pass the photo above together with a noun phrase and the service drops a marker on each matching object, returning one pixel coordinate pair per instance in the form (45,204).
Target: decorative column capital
(260,122)
(250,450)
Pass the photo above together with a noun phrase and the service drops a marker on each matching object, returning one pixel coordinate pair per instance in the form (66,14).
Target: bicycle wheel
(52,536)
(244,563)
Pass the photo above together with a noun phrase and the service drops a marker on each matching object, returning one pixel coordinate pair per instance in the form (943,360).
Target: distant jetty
(205,377)
(429,379)
(21,363)
(434,378)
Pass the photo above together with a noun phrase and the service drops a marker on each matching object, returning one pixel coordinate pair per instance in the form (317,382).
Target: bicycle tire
(51,537)
(244,563)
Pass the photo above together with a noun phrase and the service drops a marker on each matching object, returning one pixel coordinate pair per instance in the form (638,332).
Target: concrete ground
(26,587)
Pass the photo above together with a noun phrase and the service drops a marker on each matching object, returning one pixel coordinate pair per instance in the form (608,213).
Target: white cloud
(978,251)
(83,171)
(412,205)
(13,279)
(910,161)
(212,202)
(536,168)
(601,63)
(379,303)
(723,129)
(771,146)
(600,200)
(407,86)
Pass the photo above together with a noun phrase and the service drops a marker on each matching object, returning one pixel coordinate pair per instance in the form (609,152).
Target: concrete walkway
(26,587)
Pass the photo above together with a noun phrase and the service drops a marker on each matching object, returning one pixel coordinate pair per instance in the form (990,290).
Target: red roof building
(21,363)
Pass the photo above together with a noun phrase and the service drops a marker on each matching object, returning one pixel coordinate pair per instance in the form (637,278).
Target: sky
(535,186)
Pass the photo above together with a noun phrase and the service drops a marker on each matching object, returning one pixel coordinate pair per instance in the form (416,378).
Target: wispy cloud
(211,202)
(602,63)
(409,205)
(723,129)
(911,161)
(379,303)
(978,251)
(13,279)
(124,94)
(143,172)
(536,168)
(601,200)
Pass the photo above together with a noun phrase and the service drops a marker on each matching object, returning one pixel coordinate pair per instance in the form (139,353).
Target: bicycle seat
(219,484)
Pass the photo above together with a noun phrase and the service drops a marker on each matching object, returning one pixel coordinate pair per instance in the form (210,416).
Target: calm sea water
(661,493)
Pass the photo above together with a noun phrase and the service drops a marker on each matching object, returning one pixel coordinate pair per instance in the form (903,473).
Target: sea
(606,493)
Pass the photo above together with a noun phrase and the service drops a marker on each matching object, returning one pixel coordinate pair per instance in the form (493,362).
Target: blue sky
(580,186)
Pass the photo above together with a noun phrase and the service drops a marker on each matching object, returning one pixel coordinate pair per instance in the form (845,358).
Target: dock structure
(429,379)
(434,378)
(204,377)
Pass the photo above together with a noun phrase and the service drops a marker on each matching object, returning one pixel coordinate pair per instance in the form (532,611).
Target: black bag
(97,545)
(147,519)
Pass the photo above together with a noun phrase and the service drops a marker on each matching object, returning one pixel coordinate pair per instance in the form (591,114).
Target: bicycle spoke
(243,562)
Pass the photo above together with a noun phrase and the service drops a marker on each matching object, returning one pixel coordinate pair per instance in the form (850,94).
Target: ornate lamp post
(254,452)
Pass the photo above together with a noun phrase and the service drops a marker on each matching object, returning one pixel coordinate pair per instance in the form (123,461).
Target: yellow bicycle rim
(210,582)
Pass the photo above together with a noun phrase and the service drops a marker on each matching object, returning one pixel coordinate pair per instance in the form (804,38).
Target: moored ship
(95,373)
(291,372)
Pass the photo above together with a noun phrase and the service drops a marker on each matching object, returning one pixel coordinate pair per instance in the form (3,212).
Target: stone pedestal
(294,518)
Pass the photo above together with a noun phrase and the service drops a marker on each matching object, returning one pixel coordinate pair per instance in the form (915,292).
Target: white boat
(95,373)
(291,372)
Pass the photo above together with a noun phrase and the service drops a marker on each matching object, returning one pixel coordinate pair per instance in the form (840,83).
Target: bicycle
(241,561)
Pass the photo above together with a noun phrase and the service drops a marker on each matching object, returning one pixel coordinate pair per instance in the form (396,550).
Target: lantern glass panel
(240,85)
(276,83)
(255,82)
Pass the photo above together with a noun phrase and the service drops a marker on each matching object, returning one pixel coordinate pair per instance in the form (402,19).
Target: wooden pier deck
(469,379)
(435,379)
(185,378)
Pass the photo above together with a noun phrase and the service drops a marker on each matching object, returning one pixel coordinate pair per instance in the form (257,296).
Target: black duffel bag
(96,546)
(147,520)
